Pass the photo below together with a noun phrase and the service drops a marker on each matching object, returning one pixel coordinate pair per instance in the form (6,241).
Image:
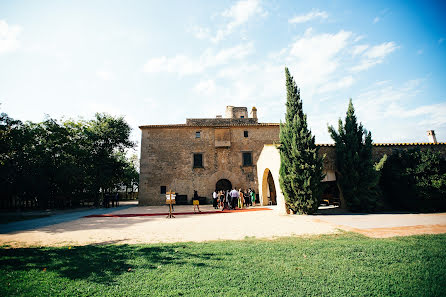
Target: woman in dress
(240,199)
(196,202)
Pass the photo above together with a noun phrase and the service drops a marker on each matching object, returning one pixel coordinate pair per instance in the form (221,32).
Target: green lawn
(331,265)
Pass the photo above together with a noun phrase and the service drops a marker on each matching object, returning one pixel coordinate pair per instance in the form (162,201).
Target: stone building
(234,151)
(202,155)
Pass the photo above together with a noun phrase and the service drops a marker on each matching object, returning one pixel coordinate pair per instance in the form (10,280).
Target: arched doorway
(223,184)
(268,188)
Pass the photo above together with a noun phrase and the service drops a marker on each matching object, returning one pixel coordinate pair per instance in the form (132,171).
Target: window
(198,160)
(247,159)
(245,133)
(242,117)
(197,134)
(163,189)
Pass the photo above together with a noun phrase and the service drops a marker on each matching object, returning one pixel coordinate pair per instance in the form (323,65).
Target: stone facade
(167,155)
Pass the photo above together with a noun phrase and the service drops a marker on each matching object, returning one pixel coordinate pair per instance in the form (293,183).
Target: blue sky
(158,62)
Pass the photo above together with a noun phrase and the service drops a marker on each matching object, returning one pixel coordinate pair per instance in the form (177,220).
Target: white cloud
(359,49)
(238,14)
(200,32)
(316,57)
(184,65)
(374,55)
(358,38)
(343,83)
(105,75)
(234,17)
(206,87)
(397,106)
(8,37)
(364,65)
(382,50)
(314,14)
(376,20)
(318,62)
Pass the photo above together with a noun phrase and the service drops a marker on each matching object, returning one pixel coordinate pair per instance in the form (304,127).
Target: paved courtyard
(133,224)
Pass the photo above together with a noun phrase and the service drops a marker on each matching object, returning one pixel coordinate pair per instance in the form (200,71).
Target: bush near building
(415,180)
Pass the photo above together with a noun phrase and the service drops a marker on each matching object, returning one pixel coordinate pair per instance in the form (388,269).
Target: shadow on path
(57,218)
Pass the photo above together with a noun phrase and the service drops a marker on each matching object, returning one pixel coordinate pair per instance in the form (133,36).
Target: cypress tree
(357,177)
(300,164)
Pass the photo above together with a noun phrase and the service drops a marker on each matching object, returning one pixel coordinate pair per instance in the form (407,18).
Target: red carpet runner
(128,215)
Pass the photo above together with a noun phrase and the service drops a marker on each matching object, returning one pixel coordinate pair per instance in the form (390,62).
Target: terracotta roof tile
(204,125)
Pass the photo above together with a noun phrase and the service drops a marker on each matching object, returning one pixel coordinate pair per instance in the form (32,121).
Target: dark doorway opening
(271,189)
(330,196)
(224,185)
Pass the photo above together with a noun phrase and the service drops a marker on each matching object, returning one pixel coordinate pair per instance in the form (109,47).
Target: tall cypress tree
(300,164)
(357,176)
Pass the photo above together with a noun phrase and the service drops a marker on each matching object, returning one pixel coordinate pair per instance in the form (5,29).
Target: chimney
(254,113)
(229,114)
(431,136)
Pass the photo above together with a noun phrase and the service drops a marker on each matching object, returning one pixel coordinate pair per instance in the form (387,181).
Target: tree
(58,164)
(357,177)
(415,180)
(300,164)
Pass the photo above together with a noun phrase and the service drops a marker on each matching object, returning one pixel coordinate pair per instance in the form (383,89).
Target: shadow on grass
(99,263)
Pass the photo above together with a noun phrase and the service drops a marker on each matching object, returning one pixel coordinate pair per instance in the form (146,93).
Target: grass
(331,265)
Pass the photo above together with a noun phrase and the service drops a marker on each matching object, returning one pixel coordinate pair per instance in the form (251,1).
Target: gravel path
(76,229)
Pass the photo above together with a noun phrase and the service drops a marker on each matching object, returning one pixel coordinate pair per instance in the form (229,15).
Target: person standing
(253,198)
(234,198)
(226,200)
(240,199)
(214,199)
(221,197)
(196,201)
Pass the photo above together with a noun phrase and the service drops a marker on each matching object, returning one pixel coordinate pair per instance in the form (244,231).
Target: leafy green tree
(108,137)
(357,176)
(415,180)
(58,164)
(300,164)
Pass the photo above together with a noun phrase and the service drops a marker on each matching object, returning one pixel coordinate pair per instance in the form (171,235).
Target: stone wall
(167,159)
(379,150)
(167,156)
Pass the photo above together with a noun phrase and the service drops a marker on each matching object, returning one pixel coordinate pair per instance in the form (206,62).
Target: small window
(247,159)
(245,133)
(242,117)
(163,189)
(198,160)
(197,134)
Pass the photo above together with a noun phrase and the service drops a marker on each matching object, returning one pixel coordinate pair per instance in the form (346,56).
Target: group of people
(233,199)
(112,199)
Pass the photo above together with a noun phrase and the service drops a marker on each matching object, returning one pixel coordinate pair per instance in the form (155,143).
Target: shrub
(415,180)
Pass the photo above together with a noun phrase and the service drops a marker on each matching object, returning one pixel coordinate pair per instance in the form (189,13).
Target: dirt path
(153,229)
(124,228)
